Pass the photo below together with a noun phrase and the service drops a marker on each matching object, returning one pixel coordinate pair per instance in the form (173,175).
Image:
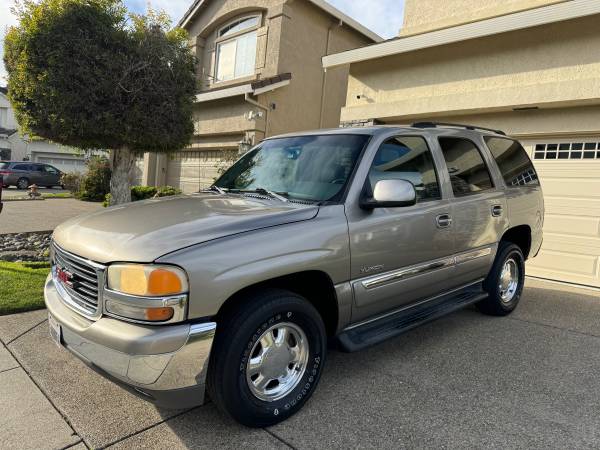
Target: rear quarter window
(513,162)
(4,165)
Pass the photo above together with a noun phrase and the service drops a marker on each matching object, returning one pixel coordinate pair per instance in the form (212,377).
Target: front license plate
(55,331)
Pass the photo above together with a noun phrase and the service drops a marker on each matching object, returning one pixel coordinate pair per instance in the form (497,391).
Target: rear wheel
(267,358)
(22,183)
(505,281)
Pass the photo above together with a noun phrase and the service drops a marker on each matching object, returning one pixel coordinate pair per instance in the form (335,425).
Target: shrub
(142,192)
(71,181)
(146,192)
(95,183)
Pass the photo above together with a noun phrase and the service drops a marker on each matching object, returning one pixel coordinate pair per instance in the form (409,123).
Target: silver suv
(350,236)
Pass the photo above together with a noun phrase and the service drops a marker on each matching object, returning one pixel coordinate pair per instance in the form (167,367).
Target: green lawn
(22,286)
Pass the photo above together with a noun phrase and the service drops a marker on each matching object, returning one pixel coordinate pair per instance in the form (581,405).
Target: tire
(239,339)
(503,297)
(22,183)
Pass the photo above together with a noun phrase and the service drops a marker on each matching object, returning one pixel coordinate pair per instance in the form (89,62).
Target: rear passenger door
(479,207)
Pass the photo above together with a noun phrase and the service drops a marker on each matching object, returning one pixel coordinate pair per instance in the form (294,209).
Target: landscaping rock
(20,247)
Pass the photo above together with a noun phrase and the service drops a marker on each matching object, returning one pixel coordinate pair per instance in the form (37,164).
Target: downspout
(324,79)
(253,102)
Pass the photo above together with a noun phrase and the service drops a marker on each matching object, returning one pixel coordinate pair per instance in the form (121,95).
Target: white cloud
(382,16)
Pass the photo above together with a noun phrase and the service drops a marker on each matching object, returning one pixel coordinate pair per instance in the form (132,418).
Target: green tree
(87,74)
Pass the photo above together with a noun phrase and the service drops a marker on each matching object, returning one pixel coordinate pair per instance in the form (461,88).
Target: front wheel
(505,282)
(267,358)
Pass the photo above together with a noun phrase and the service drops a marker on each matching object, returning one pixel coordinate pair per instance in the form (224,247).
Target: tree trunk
(122,163)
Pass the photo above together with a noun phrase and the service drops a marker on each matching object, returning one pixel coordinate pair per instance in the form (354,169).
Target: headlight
(147,280)
(146,293)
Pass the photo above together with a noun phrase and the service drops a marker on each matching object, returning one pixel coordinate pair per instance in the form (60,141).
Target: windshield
(314,168)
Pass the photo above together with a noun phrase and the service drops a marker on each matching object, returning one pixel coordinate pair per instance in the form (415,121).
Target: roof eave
(512,22)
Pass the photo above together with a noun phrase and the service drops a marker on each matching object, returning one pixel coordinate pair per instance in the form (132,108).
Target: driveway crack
(568,330)
(25,332)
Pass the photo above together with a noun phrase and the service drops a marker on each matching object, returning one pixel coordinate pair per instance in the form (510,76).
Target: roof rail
(458,125)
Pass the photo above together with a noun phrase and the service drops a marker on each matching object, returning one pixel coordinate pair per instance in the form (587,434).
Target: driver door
(401,255)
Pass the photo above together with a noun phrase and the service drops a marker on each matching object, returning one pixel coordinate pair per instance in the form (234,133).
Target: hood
(144,231)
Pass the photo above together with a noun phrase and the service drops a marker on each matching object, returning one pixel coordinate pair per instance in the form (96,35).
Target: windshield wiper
(262,191)
(217,189)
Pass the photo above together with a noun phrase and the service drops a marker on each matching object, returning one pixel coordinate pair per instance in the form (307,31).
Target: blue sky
(382,16)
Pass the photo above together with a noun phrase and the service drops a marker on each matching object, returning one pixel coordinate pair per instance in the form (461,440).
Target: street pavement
(41,215)
(529,380)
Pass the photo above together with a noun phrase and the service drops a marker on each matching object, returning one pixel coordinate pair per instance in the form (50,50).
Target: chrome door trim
(379,280)
(400,274)
(469,256)
(412,305)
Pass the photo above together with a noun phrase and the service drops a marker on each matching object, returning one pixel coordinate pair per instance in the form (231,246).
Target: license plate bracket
(55,330)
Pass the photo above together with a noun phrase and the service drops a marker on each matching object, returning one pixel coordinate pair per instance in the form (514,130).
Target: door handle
(443,221)
(496,211)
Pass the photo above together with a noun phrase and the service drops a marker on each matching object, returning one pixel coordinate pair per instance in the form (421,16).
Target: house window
(568,150)
(236,49)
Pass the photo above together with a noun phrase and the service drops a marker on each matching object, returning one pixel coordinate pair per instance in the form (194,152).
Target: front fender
(219,269)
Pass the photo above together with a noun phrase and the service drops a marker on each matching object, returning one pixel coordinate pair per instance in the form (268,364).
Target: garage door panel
(567,263)
(566,187)
(579,226)
(572,206)
(568,243)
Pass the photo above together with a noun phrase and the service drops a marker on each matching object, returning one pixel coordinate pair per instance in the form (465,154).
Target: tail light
(5,172)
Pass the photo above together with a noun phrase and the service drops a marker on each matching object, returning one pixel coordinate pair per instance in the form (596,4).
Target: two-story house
(259,74)
(528,67)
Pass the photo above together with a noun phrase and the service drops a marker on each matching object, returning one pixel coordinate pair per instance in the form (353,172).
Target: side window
(50,169)
(21,167)
(468,172)
(407,158)
(38,168)
(513,161)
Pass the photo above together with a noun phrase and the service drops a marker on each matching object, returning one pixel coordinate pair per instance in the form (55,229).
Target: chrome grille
(80,280)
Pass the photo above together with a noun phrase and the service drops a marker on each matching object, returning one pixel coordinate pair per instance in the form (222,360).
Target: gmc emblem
(64,276)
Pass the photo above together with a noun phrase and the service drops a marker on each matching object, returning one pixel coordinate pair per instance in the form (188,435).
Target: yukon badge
(369,269)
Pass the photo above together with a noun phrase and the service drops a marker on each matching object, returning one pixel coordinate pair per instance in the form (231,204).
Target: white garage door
(191,171)
(569,171)
(63,164)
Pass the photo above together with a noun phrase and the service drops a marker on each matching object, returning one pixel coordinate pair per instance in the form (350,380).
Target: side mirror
(391,194)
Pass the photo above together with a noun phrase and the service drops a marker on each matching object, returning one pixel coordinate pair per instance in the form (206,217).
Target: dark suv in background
(22,174)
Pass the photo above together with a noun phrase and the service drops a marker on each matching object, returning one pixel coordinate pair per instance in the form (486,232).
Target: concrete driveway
(466,381)
(13,192)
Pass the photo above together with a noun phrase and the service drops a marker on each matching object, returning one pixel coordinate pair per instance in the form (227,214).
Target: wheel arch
(314,285)
(521,236)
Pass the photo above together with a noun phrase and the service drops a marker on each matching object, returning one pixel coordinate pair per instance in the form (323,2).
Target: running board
(361,336)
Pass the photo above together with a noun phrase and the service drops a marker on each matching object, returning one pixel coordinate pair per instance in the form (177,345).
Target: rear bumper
(165,364)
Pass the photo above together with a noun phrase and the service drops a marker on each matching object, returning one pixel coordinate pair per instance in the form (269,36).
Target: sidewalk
(29,420)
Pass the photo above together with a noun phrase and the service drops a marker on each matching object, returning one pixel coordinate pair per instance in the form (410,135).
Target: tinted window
(468,172)
(513,161)
(315,168)
(407,158)
(50,169)
(37,168)
(21,167)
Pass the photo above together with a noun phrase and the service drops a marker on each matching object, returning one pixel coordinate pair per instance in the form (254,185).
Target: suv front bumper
(166,364)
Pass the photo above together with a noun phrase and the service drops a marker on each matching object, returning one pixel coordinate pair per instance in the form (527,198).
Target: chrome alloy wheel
(509,280)
(277,362)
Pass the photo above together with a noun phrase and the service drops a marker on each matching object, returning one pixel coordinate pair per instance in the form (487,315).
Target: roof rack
(458,125)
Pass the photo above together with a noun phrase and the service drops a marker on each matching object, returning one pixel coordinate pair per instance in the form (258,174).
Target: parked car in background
(355,235)
(23,174)
(1,184)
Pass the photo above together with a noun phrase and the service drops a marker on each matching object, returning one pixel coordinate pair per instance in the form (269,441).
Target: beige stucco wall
(421,16)
(549,67)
